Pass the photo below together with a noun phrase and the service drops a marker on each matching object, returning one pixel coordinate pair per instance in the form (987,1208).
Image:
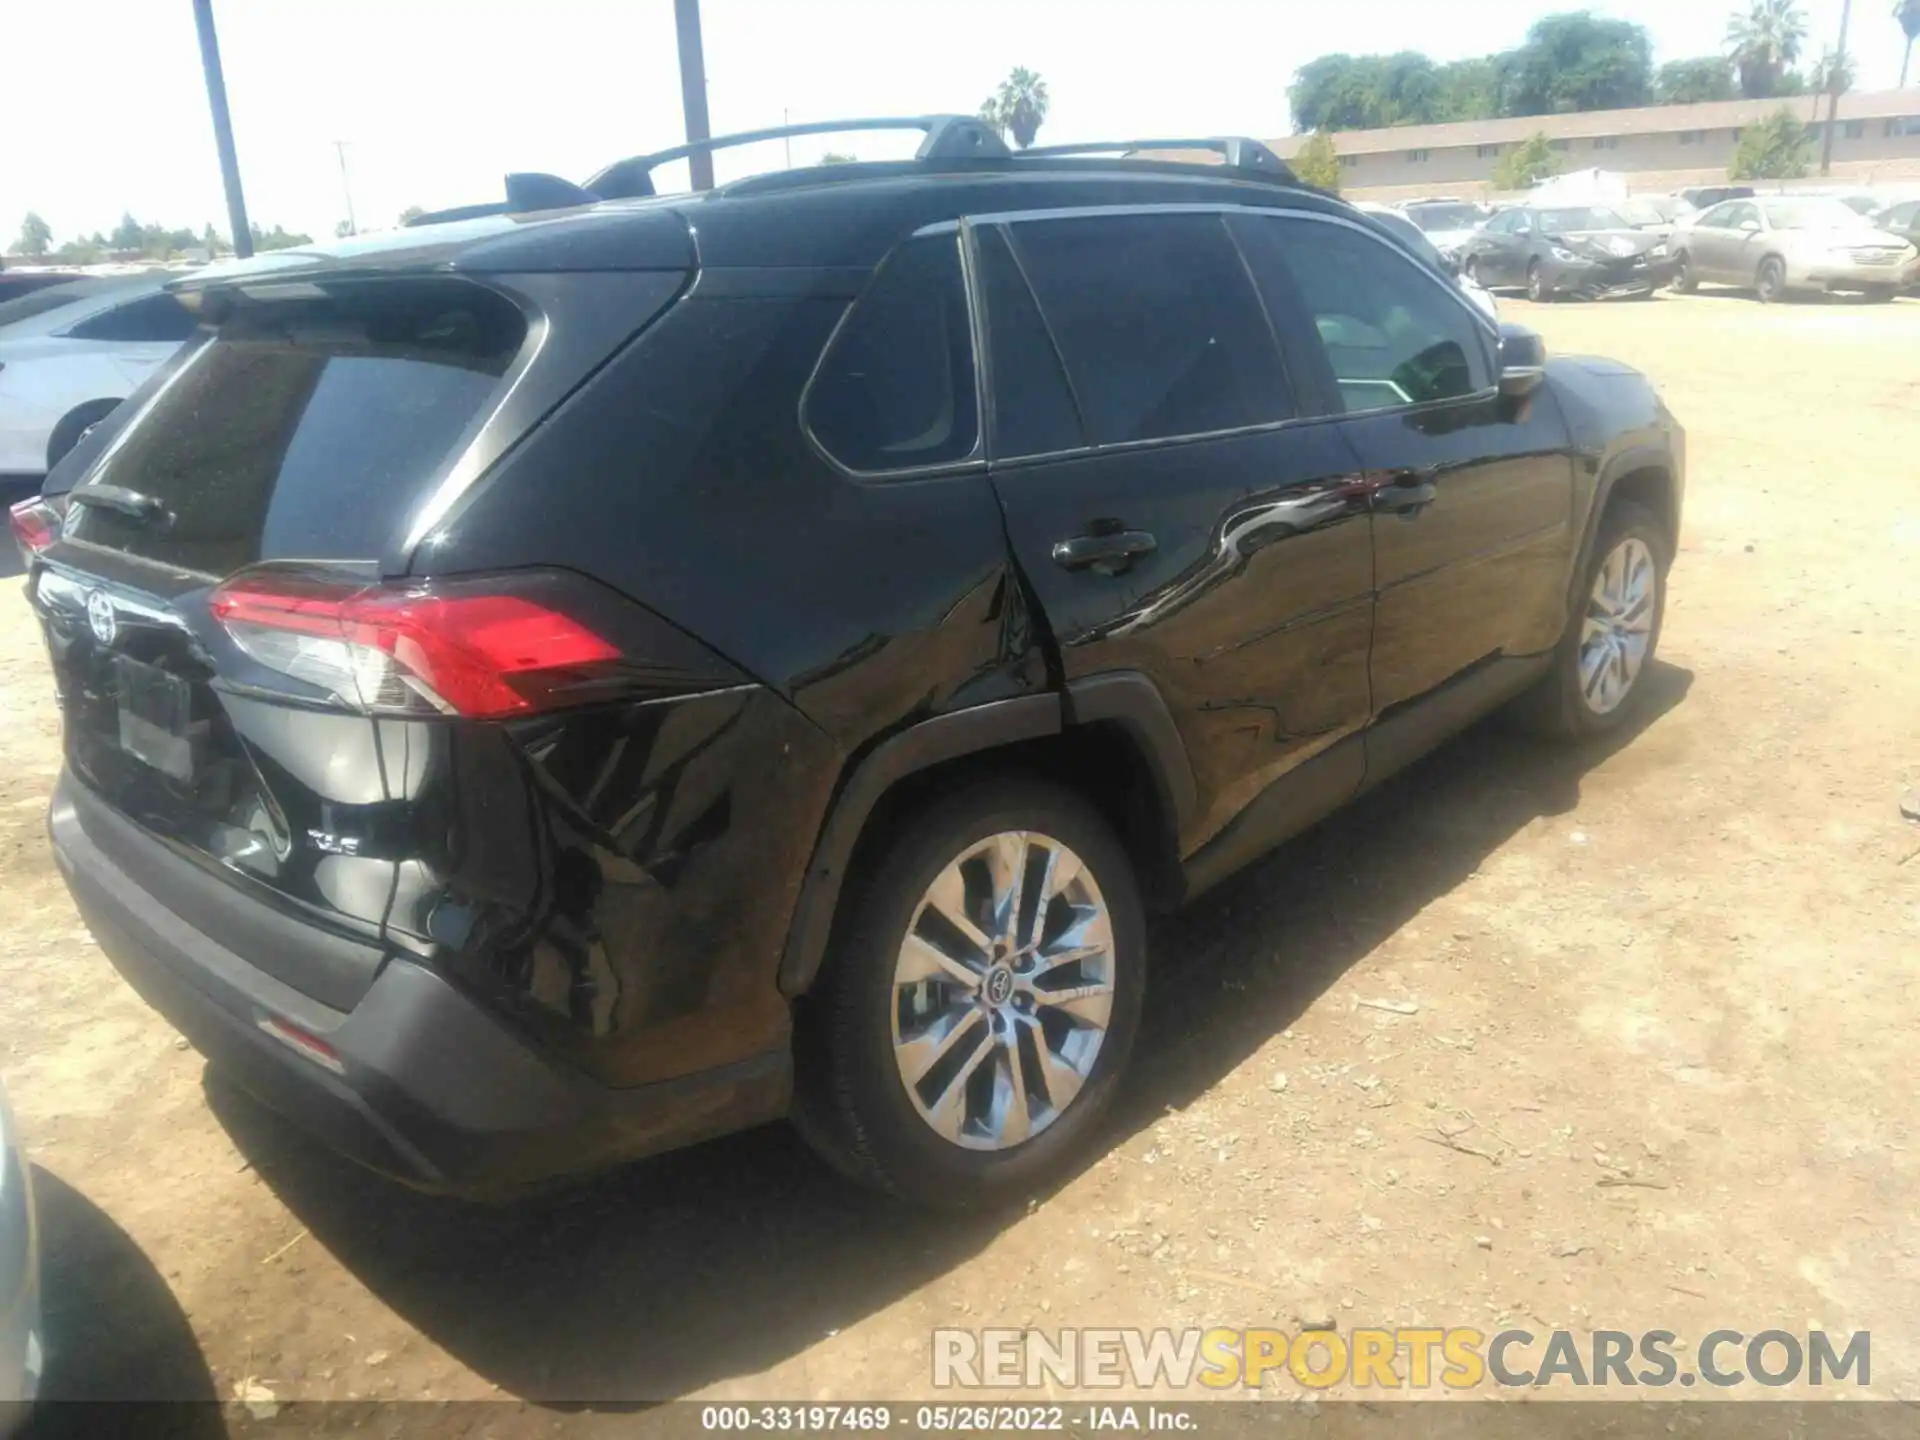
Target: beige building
(1658,148)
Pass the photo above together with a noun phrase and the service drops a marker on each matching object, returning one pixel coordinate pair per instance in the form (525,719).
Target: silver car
(1776,245)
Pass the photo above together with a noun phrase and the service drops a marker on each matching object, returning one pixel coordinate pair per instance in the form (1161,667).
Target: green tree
(1778,148)
(342,229)
(1580,61)
(1833,74)
(411,214)
(839,157)
(1019,108)
(1529,162)
(1317,163)
(213,242)
(1470,89)
(1690,82)
(129,234)
(1907,12)
(1765,44)
(277,238)
(35,236)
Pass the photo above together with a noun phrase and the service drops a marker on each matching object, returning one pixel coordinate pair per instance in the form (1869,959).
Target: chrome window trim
(975,459)
(1485,327)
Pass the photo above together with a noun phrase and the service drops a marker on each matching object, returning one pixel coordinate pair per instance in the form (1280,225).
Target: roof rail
(1239,153)
(947,137)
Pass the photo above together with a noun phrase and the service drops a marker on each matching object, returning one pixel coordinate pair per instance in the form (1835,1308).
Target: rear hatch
(238,655)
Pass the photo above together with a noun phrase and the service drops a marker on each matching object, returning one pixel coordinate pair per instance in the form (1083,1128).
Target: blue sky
(438,99)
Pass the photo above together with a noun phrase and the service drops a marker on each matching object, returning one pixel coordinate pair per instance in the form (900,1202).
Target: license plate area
(156,724)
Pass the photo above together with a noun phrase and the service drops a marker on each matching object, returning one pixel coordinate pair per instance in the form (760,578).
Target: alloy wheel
(1003,990)
(1618,629)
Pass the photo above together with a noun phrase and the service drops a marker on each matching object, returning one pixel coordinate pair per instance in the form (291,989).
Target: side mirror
(1523,362)
(1451,264)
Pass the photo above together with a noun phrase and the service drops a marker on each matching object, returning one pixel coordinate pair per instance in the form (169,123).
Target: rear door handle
(1406,493)
(1105,554)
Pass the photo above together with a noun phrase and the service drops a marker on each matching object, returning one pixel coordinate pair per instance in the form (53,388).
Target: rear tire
(1575,699)
(1538,290)
(1683,281)
(991,1119)
(1770,281)
(75,424)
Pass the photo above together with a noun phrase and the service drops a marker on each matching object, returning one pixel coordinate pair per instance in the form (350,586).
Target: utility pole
(693,89)
(222,128)
(1833,91)
(786,119)
(340,149)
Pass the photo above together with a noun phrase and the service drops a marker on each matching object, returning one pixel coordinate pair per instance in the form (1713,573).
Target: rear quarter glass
(307,426)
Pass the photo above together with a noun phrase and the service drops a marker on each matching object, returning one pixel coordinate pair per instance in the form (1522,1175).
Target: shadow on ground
(729,1258)
(113,1331)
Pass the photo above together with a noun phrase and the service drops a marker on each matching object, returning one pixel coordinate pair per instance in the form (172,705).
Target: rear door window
(307,428)
(1158,323)
(895,390)
(1033,407)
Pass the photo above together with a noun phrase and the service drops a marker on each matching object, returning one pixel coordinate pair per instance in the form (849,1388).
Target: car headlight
(1560,252)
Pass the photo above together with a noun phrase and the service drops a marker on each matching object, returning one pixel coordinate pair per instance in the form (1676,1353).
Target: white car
(69,354)
(1422,245)
(1447,223)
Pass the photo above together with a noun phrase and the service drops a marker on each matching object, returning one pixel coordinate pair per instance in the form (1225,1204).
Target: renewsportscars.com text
(1402,1358)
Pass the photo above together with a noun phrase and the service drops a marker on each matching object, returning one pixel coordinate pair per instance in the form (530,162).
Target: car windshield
(1861,204)
(1651,209)
(1446,217)
(1581,217)
(40,302)
(1814,215)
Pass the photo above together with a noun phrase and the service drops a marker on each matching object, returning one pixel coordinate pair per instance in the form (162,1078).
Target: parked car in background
(1780,245)
(538,690)
(1705,197)
(1447,223)
(69,354)
(1589,251)
(1411,236)
(1902,219)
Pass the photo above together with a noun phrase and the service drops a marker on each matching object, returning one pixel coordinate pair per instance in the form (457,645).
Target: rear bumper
(428,1087)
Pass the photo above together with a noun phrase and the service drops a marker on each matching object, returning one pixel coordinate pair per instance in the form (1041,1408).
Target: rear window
(307,427)
(41,301)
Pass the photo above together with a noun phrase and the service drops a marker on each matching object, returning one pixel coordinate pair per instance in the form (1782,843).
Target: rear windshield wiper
(144,508)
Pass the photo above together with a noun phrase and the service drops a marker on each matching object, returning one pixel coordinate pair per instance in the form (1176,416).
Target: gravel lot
(1659,996)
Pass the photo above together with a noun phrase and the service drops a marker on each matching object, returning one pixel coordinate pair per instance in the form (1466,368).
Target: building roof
(1647,120)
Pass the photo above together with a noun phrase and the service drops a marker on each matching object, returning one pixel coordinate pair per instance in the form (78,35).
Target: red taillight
(35,525)
(478,654)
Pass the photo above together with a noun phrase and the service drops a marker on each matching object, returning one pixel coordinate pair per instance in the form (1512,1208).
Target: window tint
(1159,324)
(158,319)
(308,428)
(1033,410)
(1392,333)
(895,391)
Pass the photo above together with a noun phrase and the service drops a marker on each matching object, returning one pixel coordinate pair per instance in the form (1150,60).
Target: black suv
(546,687)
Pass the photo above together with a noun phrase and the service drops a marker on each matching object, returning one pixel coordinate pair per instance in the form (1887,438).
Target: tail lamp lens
(481,655)
(35,525)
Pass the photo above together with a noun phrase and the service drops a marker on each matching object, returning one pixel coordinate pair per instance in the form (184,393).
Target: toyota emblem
(101,619)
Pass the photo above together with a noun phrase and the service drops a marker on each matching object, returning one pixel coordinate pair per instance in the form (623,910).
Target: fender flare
(1126,698)
(1627,462)
(929,743)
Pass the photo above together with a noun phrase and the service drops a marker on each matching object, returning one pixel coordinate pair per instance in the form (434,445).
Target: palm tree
(1907,12)
(1833,75)
(1765,42)
(1019,107)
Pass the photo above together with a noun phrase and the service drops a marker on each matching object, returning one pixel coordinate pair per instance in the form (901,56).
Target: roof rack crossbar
(947,137)
(1239,152)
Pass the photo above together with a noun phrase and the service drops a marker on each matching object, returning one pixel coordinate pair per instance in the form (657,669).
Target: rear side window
(1391,331)
(307,428)
(158,319)
(1033,409)
(1161,330)
(895,390)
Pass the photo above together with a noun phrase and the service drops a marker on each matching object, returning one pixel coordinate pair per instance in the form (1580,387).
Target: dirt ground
(1650,1076)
